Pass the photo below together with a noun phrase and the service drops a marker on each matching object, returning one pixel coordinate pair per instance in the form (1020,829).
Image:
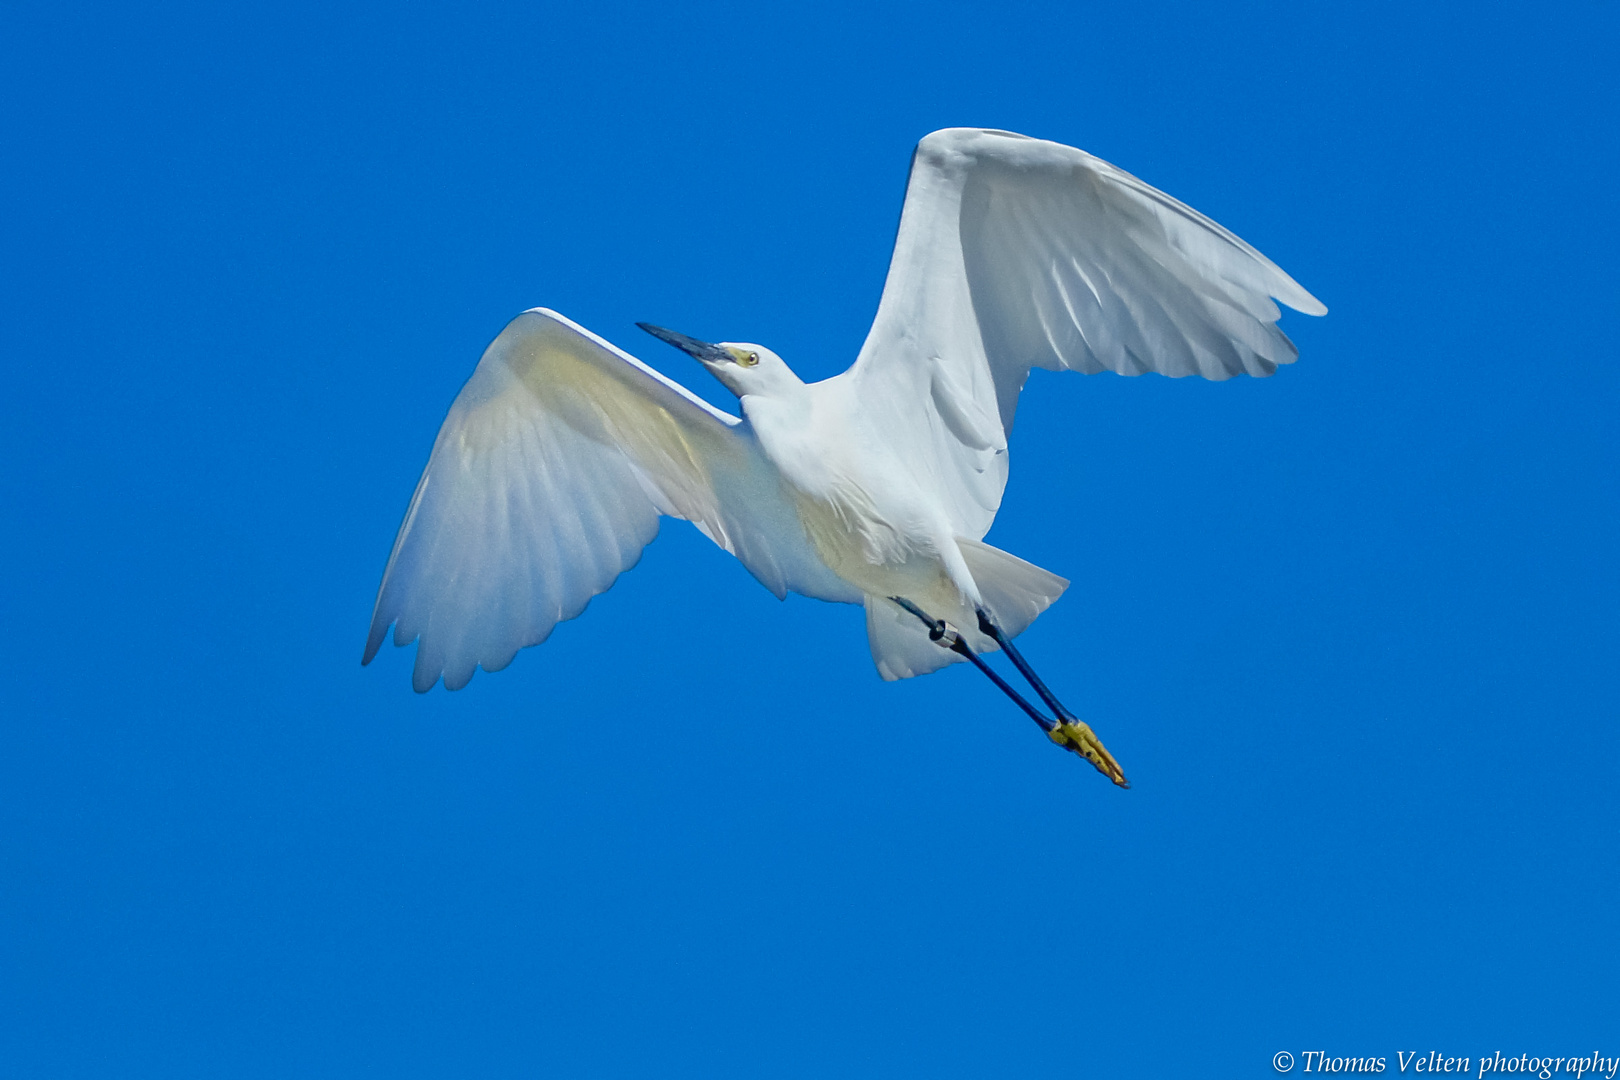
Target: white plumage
(557,458)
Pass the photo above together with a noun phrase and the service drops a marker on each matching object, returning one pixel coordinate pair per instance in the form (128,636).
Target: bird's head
(743,367)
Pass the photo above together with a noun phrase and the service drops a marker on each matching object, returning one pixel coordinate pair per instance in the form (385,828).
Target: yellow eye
(751,359)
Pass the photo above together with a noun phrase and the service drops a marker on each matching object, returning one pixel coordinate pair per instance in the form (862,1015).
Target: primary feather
(545,484)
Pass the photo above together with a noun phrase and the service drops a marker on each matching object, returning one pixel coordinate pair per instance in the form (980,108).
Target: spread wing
(1016,253)
(545,484)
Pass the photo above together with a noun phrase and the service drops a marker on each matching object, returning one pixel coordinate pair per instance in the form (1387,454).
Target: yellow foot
(1076,736)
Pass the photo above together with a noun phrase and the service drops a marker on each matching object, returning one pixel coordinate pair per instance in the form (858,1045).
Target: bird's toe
(1078,737)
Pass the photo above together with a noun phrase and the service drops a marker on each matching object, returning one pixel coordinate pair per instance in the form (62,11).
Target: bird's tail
(1013,591)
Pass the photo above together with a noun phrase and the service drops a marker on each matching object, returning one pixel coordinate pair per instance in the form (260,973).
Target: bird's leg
(1070,732)
(988,627)
(945,635)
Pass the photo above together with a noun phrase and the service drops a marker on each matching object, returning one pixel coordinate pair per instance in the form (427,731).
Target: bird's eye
(751,359)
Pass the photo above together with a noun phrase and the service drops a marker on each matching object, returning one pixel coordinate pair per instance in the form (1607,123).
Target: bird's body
(859,504)
(875,486)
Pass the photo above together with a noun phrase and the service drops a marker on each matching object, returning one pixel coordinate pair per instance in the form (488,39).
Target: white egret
(873,487)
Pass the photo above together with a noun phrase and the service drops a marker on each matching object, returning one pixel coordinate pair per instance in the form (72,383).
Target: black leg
(1068,731)
(940,631)
(988,626)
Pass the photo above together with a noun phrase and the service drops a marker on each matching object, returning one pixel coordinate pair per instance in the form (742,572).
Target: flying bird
(874,487)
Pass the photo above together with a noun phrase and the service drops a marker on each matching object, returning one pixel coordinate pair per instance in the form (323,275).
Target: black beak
(702,350)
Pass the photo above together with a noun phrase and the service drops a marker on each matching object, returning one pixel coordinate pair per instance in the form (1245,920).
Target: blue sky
(1350,630)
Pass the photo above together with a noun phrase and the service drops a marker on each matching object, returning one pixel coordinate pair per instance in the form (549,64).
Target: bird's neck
(784,389)
(779,414)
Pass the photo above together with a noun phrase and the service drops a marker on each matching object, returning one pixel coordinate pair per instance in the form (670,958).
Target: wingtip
(1311,306)
(375,638)
(1287,291)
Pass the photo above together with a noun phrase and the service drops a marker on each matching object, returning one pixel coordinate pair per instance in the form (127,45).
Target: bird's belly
(865,518)
(880,554)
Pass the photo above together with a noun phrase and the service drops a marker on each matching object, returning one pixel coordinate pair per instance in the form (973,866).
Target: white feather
(1016,253)
(545,484)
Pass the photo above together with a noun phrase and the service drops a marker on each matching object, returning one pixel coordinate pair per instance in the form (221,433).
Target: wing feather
(545,484)
(1015,253)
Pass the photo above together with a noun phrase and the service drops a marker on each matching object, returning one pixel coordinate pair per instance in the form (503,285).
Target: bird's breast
(866,521)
